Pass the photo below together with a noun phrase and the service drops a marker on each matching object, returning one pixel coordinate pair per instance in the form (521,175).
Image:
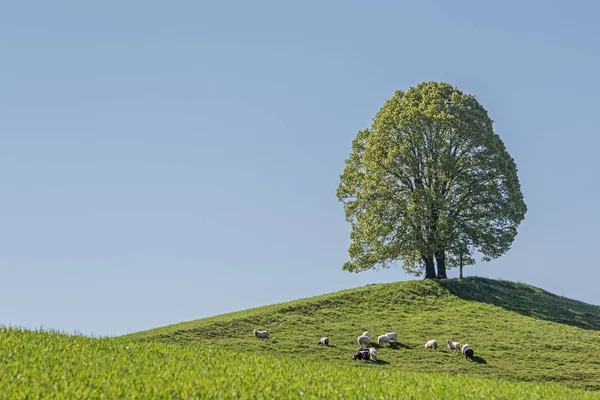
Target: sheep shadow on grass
(398,345)
(392,345)
(380,362)
(479,360)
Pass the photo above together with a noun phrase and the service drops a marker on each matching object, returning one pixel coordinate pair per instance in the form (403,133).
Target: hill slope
(48,365)
(519,332)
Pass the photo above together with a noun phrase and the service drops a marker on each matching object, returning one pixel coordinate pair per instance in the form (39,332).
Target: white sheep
(363,340)
(324,341)
(393,335)
(261,334)
(383,339)
(366,333)
(453,345)
(373,352)
(432,344)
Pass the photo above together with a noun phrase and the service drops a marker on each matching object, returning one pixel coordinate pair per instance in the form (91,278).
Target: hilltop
(519,332)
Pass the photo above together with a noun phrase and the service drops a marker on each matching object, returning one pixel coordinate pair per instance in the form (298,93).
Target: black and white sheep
(467,351)
(453,345)
(361,354)
(431,344)
(324,341)
(373,352)
(261,334)
(383,339)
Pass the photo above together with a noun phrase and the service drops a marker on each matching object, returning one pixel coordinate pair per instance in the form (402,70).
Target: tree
(428,177)
(459,256)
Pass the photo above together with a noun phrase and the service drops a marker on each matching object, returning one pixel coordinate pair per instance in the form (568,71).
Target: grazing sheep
(453,345)
(432,344)
(361,354)
(363,340)
(373,352)
(366,333)
(393,335)
(261,334)
(383,339)
(467,351)
(324,341)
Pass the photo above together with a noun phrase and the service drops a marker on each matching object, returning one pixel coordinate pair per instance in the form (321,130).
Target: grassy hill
(529,344)
(519,332)
(55,366)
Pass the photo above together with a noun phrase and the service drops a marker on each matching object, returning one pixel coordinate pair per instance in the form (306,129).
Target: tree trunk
(429,267)
(461,265)
(440,259)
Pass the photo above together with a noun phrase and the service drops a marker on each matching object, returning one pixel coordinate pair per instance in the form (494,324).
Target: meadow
(529,344)
(519,332)
(50,365)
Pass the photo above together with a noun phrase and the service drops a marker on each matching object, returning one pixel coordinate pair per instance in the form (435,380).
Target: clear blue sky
(167,161)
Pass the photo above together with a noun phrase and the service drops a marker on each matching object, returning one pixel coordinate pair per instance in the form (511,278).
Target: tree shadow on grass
(526,300)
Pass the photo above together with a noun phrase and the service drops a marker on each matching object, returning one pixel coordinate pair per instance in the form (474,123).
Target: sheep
(453,345)
(393,335)
(363,340)
(467,351)
(361,354)
(373,352)
(261,334)
(383,339)
(366,333)
(432,344)
(324,341)
(469,354)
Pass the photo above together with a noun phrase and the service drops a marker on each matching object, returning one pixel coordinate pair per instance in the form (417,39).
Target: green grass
(528,344)
(55,366)
(519,333)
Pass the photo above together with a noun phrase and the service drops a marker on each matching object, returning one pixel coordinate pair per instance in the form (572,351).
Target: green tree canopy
(430,178)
